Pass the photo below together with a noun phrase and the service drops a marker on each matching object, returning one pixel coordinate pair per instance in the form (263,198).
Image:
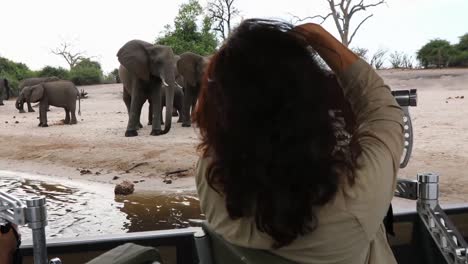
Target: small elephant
(58,94)
(4,90)
(191,67)
(31,82)
(146,70)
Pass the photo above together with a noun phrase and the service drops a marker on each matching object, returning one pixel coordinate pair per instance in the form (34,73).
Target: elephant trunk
(19,102)
(168,76)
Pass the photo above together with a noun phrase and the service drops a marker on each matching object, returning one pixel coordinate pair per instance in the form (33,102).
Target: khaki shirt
(350,229)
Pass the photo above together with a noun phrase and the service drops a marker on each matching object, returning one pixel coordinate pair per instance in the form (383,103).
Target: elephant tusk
(164,82)
(178,85)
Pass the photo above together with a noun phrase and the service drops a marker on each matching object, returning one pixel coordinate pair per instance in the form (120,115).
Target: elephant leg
(186,107)
(156,101)
(73,116)
(43,113)
(137,101)
(67,116)
(178,106)
(30,109)
(150,113)
(72,112)
(128,100)
(160,113)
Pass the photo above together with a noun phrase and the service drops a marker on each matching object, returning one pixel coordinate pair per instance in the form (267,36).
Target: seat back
(213,249)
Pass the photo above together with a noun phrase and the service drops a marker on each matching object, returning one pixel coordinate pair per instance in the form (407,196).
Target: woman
(272,175)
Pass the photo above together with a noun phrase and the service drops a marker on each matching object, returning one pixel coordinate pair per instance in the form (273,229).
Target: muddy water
(83,209)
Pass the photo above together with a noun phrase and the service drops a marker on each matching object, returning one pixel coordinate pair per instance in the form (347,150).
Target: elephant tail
(79,101)
(7,89)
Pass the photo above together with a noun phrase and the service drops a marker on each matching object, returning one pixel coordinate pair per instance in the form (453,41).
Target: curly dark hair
(263,115)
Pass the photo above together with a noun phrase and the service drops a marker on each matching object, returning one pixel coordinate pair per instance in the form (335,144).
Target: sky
(31,28)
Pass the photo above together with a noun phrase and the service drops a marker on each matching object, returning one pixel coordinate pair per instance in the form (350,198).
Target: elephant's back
(67,87)
(33,81)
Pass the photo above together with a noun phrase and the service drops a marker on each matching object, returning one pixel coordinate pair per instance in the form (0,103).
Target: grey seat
(213,249)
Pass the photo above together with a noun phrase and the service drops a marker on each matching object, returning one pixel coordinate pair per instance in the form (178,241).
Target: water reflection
(82,209)
(155,212)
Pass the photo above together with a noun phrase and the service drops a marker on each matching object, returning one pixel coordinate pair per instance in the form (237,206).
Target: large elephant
(4,90)
(32,82)
(58,93)
(191,67)
(146,70)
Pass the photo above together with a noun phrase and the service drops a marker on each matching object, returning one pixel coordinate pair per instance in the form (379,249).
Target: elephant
(191,67)
(57,93)
(178,96)
(146,70)
(31,82)
(4,89)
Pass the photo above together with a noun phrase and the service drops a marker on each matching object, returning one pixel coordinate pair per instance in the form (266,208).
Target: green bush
(109,78)
(459,60)
(60,72)
(86,75)
(86,72)
(14,72)
(437,53)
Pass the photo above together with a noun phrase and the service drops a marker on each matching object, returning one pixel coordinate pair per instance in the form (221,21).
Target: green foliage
(59,72)
(88,63)
(14,72)
(437,53)
(463,43)
(116,75)
(86,72)
(441,53)
(186,35)
(460,59)
(112,77)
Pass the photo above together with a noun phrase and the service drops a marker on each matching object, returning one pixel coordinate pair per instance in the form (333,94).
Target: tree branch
(357,28)
(298,19)
(362,6)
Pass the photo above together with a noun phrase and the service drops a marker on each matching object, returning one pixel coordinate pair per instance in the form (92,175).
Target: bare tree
(342,11)
(407,61)
(72,57)
(378,58)
(222,12)
(361,52)
(396,59)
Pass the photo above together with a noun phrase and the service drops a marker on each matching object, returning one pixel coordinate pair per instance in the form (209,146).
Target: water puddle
(82,209)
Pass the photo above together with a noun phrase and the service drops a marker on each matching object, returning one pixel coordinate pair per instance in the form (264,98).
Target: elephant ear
(37,91)
(134,57)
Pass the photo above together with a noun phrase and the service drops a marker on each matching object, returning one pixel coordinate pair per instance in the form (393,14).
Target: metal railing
(448,239)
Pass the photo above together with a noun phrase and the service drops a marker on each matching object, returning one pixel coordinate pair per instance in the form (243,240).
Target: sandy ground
(97,143)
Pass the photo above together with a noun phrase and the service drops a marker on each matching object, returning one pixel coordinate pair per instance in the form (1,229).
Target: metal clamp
(32,213)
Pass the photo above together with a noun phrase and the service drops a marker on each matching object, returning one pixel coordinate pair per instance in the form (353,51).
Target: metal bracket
(450,242)
(407,189)
(444,233)
(12,209)
(408,135)
(32,213)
